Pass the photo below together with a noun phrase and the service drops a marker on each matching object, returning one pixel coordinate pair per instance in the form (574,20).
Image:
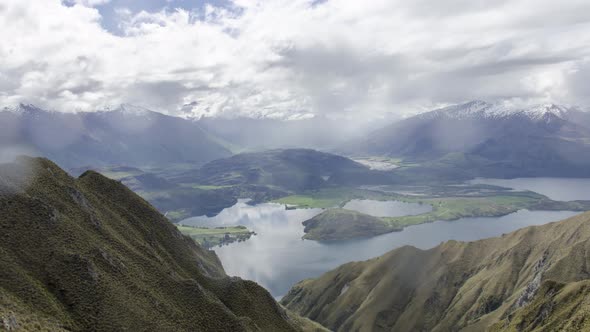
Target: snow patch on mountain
(128,110)
(27,110)
(542,112)
(23,108)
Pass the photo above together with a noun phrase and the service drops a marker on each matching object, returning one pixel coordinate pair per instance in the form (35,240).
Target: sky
(292,59)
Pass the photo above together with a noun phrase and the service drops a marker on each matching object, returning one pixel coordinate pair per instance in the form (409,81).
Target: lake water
(560,189)
(387,208)
(277,257)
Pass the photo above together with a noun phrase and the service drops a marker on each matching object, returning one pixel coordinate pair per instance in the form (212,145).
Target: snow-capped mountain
(548,138)
(125,135)
(483,110)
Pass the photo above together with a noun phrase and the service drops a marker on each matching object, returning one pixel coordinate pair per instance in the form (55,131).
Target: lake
(559,189)
(277,257)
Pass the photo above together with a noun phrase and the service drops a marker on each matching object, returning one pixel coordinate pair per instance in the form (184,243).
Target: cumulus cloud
(295,58)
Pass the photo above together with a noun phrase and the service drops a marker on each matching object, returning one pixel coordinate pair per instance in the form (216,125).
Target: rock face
(87,254)
(536,278)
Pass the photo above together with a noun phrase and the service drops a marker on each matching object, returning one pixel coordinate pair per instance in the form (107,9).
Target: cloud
(295,58)
(87,3)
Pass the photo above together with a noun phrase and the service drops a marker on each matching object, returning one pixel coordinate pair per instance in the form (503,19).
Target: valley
(281,216)
(277,256)
(294,166)
(302,178)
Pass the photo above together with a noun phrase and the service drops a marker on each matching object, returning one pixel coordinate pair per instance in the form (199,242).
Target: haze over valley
(294,166)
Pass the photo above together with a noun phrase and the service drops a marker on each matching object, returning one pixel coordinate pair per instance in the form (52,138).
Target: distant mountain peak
(543,111)
(129,109)
(22,108)
(464,110)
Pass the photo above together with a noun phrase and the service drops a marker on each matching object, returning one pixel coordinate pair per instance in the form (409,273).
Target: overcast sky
(292,58)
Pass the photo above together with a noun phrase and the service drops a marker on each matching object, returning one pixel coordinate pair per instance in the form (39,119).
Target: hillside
(534,279)
(87,254)
(340,224)
(493,140)
(288,169)
(127,135)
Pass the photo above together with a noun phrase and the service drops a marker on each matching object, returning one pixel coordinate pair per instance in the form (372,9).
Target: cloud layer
(295,58)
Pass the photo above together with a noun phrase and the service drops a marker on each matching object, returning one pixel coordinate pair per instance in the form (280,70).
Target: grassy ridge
(533,279)
(88,254)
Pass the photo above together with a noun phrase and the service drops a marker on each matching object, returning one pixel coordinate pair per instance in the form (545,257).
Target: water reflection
(277,257)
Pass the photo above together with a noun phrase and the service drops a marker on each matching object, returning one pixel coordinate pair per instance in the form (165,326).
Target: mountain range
(134,136)
(543,140)
(465,140)
(127,135)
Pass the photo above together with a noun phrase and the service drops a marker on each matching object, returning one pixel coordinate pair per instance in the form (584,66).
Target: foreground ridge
(534,279)
(88,254)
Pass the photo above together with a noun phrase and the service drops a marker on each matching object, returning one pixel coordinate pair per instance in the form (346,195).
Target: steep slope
(508,142)
(290,169)
(534,279)
(88,254)
(124,136)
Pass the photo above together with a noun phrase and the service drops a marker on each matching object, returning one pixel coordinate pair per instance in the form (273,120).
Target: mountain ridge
(288,169)
(127,135)
(546,140)
(532,279)
(87,254)
(480,108)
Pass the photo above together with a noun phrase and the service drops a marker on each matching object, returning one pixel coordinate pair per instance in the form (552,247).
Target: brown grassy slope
(88,254)
(534,279)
